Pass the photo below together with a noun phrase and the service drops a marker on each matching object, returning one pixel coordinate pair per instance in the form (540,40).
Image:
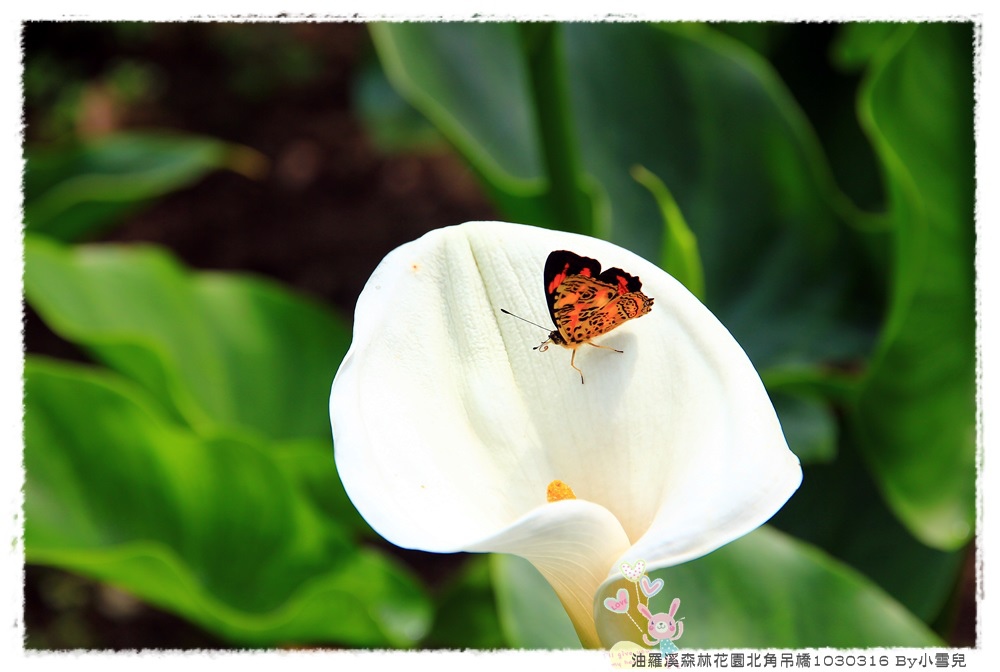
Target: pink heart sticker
(633,572)
(618,605)
(650,588)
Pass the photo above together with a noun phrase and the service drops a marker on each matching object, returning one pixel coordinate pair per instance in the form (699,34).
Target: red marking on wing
(558,279)
(622,284)
(586,272)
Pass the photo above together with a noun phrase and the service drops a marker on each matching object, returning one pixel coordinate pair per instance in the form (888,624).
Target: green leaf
(480,105)
(531,615)
(470,81)
(763,37)
(569,201)
(809,426)
(680,257)
(79,191)
(782,271)
(209,528)
(767,590)
(466,615)
(218,350)
(859,42)
(916,416)
(392,123)
(307,463)
(858,528)
(779,263)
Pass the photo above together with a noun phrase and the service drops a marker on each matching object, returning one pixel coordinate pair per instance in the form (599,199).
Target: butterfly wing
(574,292)
(560,265)
(628,304)
(584,302)
(624,282)
(622,308)
(578,305)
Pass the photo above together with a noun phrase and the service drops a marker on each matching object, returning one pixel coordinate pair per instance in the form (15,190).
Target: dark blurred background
(330,204)
(330,200)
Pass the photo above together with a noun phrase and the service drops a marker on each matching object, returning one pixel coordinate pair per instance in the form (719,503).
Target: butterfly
(585,303)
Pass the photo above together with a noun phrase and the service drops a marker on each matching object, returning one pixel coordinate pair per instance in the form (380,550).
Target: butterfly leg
(571,360)
(605,347)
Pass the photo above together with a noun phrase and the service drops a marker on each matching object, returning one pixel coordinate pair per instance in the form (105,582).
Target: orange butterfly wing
(585,303)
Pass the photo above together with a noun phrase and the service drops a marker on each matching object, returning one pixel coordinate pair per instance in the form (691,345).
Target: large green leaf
(858,528)
(701,111)
(78,191)
(470,81)
(210,528)
(752,184)
(392,124)
(767,590)
(531,615)
(916,415)
(482,104)
(307,463)
(217,349)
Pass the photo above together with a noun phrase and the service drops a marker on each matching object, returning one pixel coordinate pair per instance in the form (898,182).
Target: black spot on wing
(617,277)
(572,262)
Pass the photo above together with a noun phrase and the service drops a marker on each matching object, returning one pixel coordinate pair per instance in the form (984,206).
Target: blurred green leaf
(466,615)
(809,426)
(779,264)
(531,615)
(570,200)
(680,257)
(857,43)
(916,416)
(767,590)
(77,192)
(763,37)
(471,82)
(219,350)
(480,104)
(391,122)
(307,463)
(858,528)
(781,269)
(210,528)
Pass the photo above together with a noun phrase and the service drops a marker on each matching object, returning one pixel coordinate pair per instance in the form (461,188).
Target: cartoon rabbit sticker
(662,627)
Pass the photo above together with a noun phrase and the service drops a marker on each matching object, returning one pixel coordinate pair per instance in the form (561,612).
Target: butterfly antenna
(507,312)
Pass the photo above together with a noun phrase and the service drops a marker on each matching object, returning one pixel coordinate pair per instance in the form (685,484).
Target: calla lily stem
(543,47)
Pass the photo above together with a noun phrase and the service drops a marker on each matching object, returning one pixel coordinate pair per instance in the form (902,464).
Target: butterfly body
(585,303)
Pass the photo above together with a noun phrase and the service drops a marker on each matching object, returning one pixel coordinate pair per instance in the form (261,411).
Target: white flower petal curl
(448,426)
(570,542)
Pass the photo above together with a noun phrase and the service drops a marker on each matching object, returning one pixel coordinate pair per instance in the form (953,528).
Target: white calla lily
(448,427)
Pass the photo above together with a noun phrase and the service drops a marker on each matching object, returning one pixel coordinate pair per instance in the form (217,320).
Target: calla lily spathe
(448,427)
